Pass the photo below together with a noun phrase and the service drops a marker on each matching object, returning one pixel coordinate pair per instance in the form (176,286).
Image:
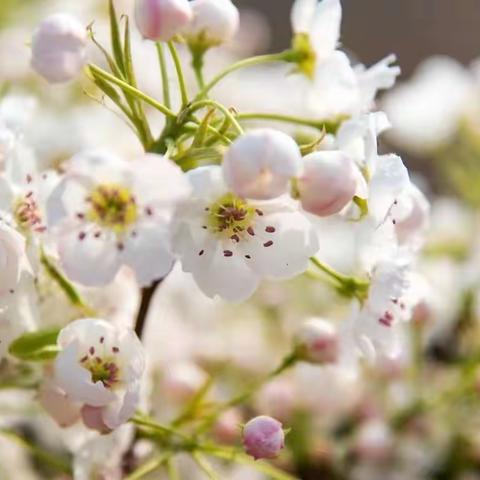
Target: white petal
(293,243)
(231,278)
(390,179)
(148,252)
(90,261)
(159,181)
(325,31)
(302,15)
(12,253)
(207,182)
(102,165)
(380,76)
(122,409)
(68,198)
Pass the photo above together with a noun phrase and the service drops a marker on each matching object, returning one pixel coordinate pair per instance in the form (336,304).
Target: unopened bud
(263,437)
(317,342)
(59,48)
(214,22)
(162,19)
(261,163)
(328,183)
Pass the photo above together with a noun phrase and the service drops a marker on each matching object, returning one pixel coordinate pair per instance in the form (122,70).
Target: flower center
(102,370)
(230,215)
(112,206)
(307,57)
(27,214)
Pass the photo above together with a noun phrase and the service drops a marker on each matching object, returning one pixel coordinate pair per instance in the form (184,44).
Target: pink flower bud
(261,163)
(214,22)
(263,437)
(162,19)
(328,183)
(59,48)
(317,341)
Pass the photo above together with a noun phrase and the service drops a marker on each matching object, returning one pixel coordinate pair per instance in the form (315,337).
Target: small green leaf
(36,346)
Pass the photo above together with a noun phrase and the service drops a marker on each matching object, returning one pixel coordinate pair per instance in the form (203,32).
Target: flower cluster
(122,245)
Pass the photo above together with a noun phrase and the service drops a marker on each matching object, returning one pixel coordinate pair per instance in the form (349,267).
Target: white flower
(229,244)
(59,48)
(427,109)
(162,19)
(320,21)
(261,163)
(337,88)
(214,22)
(109,212)
(386,176)
(377,323)
(328,183)
(100,367)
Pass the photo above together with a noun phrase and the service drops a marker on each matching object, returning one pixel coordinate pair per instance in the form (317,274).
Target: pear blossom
(317,341)
(261,163)
(59,48)
(337,87)
(161,20)
(426,110)
(230,244)
(100,368)
(108,212)
(214,22)
(318,25)
(377,323)
(328,183)
(386,176)
(263,437)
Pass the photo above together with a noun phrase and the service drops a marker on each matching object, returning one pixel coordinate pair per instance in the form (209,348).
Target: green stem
(330,126)
(233,455)
(205,466)
(346,286)
(197,65)
(131,90)
(286,56)
(66,286)
(55,462)
(143,421)
(171,469)
(148,467)
(285,364)
(181,79)
(339,277)
(164,72)
(212,103)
